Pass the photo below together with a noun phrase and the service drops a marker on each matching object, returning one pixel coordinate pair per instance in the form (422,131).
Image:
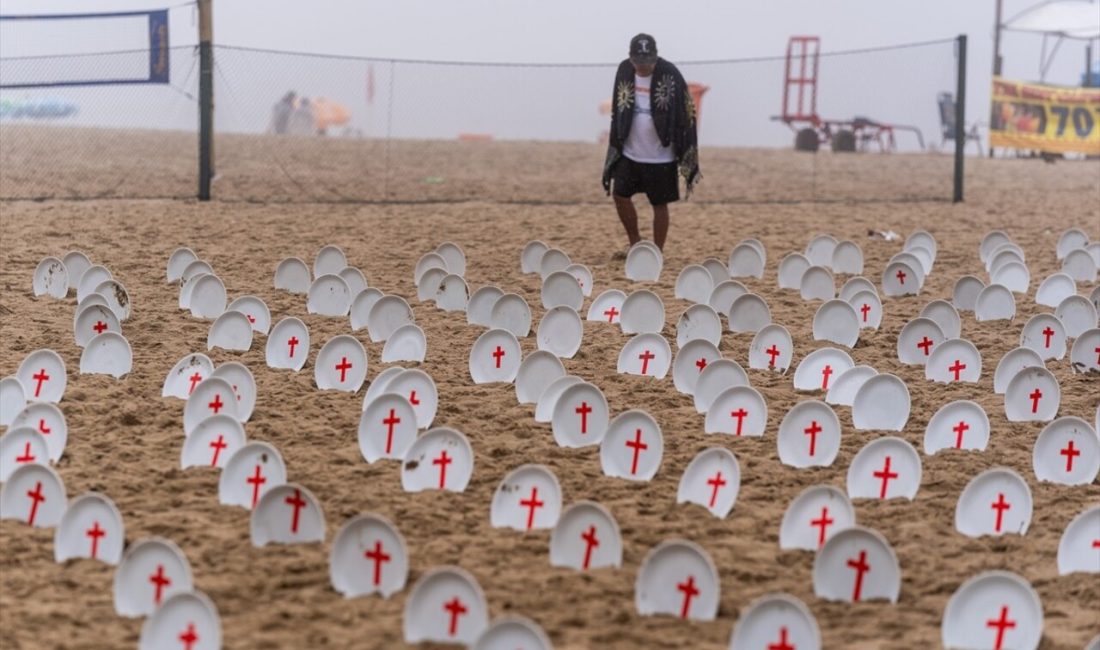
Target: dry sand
(62,162)
(125,439)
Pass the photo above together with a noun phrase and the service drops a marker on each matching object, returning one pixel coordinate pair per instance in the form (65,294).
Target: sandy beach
(125,439)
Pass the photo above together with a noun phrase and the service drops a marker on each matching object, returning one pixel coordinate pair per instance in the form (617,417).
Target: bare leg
(629,216)
(660,225)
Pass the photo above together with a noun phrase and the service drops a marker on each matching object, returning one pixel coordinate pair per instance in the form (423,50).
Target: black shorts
(657,180)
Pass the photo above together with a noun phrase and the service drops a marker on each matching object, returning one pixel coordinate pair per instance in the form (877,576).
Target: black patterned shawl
(673,116)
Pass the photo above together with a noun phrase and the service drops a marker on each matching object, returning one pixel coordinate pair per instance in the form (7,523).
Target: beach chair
(946,102)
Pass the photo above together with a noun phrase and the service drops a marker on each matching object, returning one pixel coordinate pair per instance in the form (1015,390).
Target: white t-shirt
(642,144)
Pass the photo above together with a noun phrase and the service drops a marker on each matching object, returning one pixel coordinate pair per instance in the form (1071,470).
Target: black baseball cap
(643,49)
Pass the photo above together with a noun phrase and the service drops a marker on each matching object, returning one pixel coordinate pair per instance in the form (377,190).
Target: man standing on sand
(280,114)
(652,138)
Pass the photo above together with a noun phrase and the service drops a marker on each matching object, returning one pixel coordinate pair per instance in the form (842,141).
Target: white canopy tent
(1078,19)
(1060,19)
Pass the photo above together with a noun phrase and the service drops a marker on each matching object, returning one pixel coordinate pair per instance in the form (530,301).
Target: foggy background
(422,100)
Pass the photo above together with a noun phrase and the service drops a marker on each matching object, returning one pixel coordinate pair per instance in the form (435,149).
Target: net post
(1088,64)
(206,98)
(960,117)
(996,54)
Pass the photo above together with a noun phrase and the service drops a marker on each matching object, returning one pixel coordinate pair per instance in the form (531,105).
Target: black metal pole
(996,55)
(960,117)
(206,99)
(1088,64)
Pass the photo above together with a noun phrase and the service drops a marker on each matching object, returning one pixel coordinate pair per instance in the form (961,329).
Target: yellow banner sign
(1054,119)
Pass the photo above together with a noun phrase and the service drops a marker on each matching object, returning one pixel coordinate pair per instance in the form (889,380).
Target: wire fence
(293,127)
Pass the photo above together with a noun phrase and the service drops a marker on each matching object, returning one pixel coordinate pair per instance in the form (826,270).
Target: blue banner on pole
(159,54)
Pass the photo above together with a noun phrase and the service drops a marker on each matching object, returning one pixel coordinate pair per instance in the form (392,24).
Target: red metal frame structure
(809,47)
(800,82)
